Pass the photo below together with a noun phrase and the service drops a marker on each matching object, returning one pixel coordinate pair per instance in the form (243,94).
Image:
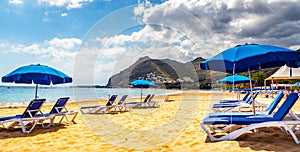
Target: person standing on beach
(287,92)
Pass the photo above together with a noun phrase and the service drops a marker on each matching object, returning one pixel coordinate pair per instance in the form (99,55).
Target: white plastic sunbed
(29,119)
(253,123)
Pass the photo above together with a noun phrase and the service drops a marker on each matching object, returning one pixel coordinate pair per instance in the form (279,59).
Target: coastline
(172,127)
(22,95)
(102,100)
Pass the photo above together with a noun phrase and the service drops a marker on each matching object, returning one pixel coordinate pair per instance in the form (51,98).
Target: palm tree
(259,78)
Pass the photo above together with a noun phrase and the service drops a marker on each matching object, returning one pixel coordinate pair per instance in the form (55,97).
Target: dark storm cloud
(283,30)
(221,18)
(282,21)
(217,25)
(259,7)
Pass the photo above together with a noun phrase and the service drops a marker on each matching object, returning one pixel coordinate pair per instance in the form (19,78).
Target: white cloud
(55,50)
(16,2)
(46,20)
(139,10)
(217,25)
(67,43)
(63,14)
(109,55)
(69,4)
(184,30)
(57,53)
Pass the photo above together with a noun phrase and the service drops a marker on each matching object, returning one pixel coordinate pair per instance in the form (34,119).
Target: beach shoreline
(21,96)
(172,127)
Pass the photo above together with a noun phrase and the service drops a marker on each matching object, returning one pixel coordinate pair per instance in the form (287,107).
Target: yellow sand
(172,127)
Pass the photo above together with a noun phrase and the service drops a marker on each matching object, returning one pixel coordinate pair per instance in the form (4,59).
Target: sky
(90,40)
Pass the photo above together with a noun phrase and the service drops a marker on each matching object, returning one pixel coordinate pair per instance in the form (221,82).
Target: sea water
(20,95)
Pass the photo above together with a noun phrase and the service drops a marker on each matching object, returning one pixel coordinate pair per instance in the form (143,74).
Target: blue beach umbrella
(142,84)
(248,57)
(37,74)
(297,84)
(251,57)
(235,79)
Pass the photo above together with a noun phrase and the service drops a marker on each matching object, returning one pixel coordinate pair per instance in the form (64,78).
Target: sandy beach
(172,127)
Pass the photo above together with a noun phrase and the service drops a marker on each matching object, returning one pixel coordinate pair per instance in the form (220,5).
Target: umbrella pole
(253,105)
(233,73)
(272,88)
(265,85)
(233,77)
(36,90)
(233,84)
(141,94)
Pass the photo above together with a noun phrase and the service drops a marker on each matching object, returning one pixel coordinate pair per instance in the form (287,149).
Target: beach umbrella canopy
(235,79)
(248,57)
(297,84)
(37,74)
(142,84)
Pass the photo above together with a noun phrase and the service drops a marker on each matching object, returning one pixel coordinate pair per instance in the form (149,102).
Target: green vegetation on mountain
(168,73)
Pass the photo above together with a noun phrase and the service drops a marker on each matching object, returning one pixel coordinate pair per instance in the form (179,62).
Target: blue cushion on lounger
(278,116)
(268,110)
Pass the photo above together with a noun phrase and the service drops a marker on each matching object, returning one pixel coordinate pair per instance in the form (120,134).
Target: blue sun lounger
(120,107)
(99,108)
(226,105)
(112,108)
(139,104)
(60,109)
(109,107)
(151,103)
(234,101)
(145,100)
(147,103)
(28,116)
(253,123)
(267,111)
(236,106)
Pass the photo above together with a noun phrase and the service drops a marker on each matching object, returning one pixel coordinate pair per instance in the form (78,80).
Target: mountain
(168,73)
(164,72)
